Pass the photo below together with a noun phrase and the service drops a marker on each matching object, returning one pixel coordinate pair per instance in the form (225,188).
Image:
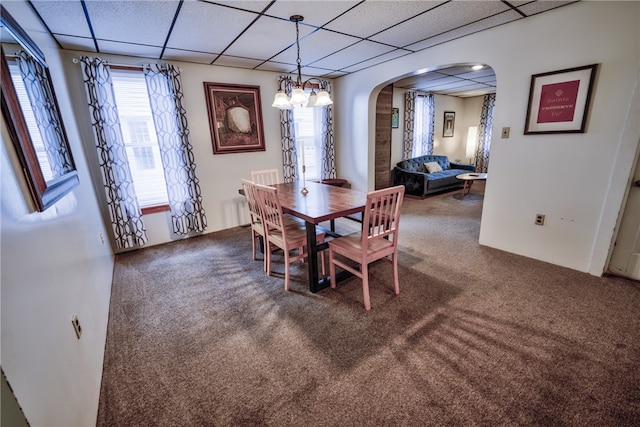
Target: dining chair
(255,216)
(378,239)
(265,176)
(279,234)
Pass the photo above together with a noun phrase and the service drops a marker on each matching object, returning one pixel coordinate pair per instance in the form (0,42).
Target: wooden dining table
(321,203)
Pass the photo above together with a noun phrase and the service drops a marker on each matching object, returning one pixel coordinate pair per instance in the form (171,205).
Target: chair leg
(266,260)
(267,257)
(396,283)
(332,268)
(364,269)
(286,269)
(253,245)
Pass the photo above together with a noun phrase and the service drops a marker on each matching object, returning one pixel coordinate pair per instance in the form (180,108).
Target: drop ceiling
(336,37)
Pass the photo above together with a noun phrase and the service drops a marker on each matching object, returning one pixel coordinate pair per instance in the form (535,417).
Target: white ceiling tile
(267,37)
(252,5)
(359,52)
(77,43)
(146,22)
(128,49)
(487,71)
(371,17)
(542,6)
(234,61)
(493,21)
(486,79)
(314,13)
(377,60)
(64,17)
(188,56)
(314,72)
(277,67)
(439,20)
(206,27)
(316,46)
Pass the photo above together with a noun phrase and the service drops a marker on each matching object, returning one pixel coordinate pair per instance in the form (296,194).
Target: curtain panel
(124,211)
(288,136)
(169,116)
(328,151)
(409,124)
(483,145)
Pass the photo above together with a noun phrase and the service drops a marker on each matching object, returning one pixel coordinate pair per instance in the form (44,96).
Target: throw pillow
(433,167)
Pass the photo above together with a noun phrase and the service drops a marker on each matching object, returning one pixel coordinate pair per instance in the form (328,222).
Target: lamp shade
(281,101)
(298,97)
(323,99)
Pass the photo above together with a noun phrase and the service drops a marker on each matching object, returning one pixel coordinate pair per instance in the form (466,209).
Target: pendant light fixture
(298,95)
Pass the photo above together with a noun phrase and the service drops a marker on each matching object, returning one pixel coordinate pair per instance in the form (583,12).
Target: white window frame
(129,86)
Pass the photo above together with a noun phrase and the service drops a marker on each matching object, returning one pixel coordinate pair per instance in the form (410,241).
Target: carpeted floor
(199,336)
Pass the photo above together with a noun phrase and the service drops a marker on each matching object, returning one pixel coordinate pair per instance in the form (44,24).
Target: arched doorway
(459,88)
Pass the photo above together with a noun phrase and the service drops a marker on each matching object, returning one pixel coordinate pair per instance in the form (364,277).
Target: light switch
(505,132)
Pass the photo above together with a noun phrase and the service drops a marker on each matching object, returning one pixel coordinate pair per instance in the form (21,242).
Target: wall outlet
(101,236)
(76,325)
(505,132)
(539,219)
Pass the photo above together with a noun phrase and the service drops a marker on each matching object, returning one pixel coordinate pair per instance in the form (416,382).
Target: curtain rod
(77,61)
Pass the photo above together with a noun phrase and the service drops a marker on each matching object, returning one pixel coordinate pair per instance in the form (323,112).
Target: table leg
(315,283)
(466,188)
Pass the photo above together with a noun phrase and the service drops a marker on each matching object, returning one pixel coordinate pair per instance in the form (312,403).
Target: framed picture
(395,118)
(235,117)
(559,100)
(449,121)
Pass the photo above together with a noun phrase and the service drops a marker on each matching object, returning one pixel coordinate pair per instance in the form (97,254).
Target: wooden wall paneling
(383,138)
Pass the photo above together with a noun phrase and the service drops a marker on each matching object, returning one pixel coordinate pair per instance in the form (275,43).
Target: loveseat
(418,181)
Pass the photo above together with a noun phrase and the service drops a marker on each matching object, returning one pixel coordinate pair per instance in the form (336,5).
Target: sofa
(418,181)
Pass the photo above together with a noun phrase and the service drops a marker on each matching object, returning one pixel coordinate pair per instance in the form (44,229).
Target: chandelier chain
(298,51)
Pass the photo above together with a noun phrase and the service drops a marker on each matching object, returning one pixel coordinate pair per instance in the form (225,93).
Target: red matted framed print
(559,100)
(235,117)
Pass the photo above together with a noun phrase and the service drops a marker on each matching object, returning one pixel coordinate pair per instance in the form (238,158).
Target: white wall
(448,146)
(567,177)
(53,265)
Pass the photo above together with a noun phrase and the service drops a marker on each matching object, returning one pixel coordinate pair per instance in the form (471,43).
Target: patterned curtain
(36,82)
(328,151)
(124,211)
(169,116)
(288,138)
(409,124)
(419,119)
(483,145)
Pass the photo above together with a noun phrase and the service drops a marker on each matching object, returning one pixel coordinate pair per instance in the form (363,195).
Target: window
(139,133)
(308,131)
(423,131)
(32,125)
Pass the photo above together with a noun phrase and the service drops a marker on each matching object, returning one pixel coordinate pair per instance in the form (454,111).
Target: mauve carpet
(198,335)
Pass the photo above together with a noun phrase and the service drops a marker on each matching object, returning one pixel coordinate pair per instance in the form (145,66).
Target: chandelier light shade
(298,96)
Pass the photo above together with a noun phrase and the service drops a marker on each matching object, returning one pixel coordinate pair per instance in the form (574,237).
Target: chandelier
(298,95)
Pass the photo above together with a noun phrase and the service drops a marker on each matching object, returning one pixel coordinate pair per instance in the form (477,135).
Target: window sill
(154,209)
